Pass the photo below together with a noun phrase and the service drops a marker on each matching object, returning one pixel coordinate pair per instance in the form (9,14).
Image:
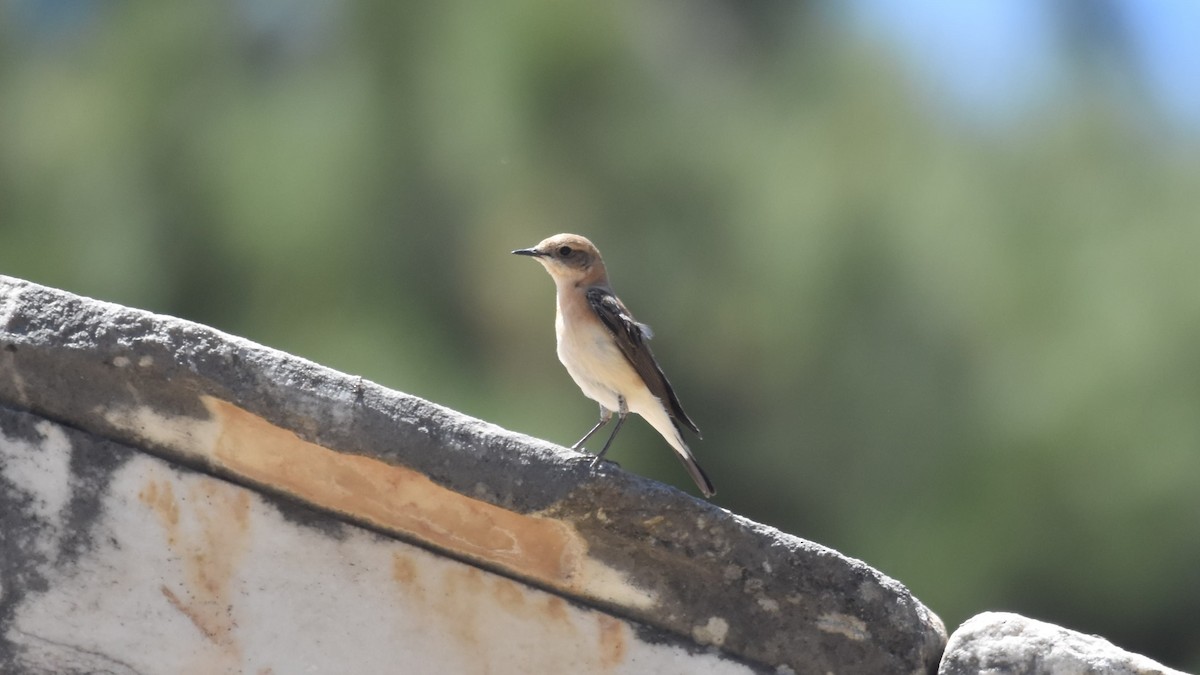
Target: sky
(992,59)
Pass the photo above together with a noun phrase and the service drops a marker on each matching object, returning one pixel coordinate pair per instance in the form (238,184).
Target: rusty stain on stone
(161,499)
(613,641)
(395,498)
(556,608)
(510,596)
(449,600)
(404,570)
(207,528)
(197,619)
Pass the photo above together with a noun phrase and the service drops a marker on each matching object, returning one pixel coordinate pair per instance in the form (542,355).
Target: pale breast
(593,359)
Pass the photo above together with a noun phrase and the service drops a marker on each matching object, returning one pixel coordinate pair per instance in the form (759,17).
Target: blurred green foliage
(968,357)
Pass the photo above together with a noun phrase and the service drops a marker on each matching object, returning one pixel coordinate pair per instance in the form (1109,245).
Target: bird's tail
(694,470)
(657,416)
(688,460)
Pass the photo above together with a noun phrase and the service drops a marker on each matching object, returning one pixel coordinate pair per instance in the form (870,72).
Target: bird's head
(569,258)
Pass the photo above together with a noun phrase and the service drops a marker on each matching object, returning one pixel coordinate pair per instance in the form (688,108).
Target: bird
(605,350)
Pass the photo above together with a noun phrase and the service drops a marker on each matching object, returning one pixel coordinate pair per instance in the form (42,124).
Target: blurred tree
(966,356)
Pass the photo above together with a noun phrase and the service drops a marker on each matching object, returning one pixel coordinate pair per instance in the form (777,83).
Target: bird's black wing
(631,337)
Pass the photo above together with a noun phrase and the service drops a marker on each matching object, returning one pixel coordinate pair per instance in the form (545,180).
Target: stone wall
(178,500)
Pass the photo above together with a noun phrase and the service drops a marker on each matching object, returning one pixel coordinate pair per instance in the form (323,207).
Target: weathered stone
(115,561)
(671,567)
(1000,643)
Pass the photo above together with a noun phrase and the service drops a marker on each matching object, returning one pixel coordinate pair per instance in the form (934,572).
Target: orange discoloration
(556,609)
(491,619)
(199,620)
(404,570)
(207,528)
(161,498)
(469,580)
(458,608)
(510,595)
(613,642)
(407,576)
(395,498)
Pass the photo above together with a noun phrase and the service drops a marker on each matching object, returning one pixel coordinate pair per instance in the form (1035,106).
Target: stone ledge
(406,468)
(116,561)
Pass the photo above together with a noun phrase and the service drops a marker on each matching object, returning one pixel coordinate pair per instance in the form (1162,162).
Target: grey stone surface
(633,547)
(1001,643)
(113,561)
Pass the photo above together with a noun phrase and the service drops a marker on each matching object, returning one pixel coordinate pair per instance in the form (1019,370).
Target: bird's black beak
(528,251)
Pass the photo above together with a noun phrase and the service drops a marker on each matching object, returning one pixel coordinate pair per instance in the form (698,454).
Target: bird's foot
(592,460)
(601,458)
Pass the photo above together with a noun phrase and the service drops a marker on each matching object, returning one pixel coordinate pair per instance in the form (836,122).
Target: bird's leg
(621,413)
(605,416)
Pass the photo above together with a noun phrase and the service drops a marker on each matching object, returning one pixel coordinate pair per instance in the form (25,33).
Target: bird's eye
(564,251)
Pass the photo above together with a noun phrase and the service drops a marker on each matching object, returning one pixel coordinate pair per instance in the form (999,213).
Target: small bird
(605,351)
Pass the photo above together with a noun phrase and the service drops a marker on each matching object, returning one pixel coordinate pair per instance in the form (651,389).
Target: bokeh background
(926,274)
